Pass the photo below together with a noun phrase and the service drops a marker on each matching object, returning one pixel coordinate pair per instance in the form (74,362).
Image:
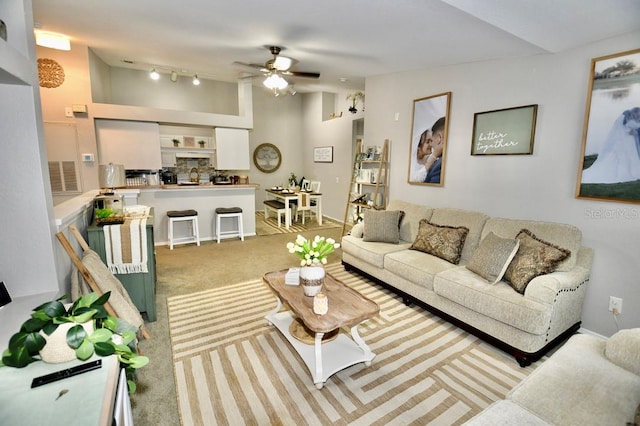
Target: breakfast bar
(204,198)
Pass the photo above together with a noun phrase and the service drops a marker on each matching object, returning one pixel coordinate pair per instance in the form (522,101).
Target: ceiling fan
(278,65)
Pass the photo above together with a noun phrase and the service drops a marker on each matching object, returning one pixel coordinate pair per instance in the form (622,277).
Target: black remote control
(63,374)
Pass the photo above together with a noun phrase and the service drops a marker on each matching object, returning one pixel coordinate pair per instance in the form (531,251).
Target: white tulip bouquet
(313,252)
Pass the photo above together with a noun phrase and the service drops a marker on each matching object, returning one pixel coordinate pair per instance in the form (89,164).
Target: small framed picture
(323,154)
(508,131)
(189,141)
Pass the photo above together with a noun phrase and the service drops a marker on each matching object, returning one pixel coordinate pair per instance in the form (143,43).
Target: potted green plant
(353,97)
(176,142)
(89,330)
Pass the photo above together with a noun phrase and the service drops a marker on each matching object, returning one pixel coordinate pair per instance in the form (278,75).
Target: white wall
(539,186)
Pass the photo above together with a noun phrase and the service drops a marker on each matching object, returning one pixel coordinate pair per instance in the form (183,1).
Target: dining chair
(314,185)
(304,205)
(305,185)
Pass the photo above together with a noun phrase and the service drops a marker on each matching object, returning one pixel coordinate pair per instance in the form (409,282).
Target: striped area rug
(270,226)
(232,368)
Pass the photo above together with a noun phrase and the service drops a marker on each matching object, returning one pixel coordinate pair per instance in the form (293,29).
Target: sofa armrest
(545,288)
(357,230)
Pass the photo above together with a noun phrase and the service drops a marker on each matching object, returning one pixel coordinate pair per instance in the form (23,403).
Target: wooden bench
(275,206)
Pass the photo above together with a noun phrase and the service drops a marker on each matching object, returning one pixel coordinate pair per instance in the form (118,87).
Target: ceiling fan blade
(245,65)
(302,74)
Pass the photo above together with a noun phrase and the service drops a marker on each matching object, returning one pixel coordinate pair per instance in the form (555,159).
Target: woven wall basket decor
(50,73)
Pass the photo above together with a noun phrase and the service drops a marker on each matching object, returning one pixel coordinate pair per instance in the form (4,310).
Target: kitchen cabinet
(140,286)
(132,143)
(232,149)
(168,158)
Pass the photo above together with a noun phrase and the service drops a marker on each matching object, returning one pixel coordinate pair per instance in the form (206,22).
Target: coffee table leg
(362,345)
(275,311)
(317,378)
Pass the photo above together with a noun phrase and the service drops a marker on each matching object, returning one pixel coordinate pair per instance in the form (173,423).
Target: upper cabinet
(135,144)
(232,149)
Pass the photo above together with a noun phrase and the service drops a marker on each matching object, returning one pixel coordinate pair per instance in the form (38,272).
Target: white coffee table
(347,308)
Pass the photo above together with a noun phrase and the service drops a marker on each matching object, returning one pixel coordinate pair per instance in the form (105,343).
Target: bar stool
(183,216)
(229,212)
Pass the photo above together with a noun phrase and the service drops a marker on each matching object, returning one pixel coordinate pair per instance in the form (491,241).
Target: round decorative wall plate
(50,73)
(267,157)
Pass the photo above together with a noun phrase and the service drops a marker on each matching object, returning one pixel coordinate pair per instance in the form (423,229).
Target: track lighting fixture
(174,76)
(154,74)
(196,80)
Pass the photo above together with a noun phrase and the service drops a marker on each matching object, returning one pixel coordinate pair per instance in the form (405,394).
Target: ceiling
(346,41)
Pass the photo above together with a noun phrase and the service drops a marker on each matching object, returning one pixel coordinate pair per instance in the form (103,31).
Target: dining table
(288,195)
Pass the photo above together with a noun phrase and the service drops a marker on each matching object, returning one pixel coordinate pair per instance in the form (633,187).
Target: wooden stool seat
(229,212)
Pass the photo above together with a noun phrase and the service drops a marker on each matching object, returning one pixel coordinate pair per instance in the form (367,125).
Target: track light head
(174,76)
(154,74)
(196,80)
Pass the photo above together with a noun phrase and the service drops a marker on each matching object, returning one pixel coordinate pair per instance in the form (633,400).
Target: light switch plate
(68,112)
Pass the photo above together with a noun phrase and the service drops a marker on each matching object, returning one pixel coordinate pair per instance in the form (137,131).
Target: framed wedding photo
(610,156)
(508,131)
(428,144)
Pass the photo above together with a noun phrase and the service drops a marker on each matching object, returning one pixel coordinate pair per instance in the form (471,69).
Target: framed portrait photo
(610,156)
(428,144)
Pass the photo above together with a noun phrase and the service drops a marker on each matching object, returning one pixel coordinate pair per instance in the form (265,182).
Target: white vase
(311,279)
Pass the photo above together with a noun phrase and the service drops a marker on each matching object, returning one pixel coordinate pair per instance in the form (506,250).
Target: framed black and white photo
(508,131)
(323,154)
(610,157)
(428,144)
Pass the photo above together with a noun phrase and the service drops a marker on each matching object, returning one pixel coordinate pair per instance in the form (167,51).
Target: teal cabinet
(140,286)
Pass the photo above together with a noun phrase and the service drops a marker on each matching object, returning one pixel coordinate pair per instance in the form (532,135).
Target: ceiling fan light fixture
(282,63)
(196,80)
(154,74)
(275,82)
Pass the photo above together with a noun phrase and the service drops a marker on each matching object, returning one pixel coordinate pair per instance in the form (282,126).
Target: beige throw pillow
(492,257)
(382,225)
(445,242)
(534,257)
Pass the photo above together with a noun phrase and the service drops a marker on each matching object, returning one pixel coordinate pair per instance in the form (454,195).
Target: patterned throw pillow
(445,242)
(382,226)
(535,257)
(492,257)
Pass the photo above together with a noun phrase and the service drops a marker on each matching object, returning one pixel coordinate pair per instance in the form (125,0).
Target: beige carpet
(270,226)
(232,368)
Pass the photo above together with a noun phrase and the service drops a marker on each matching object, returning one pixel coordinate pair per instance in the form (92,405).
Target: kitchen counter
(203,198)
(206,186)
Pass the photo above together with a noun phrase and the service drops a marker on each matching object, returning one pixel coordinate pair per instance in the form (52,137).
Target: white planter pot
(311,279)
(57,350)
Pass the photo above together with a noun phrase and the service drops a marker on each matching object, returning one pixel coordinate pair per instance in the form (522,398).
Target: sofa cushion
(470,219)
(372,253)
(623,349)
(497,301)
(412,215)
(445,242)
(578,385)
(415,266)
(382,225)
(534,257)
(493,255)
(562,235)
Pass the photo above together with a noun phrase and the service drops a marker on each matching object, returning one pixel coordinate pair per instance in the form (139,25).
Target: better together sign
(505,131)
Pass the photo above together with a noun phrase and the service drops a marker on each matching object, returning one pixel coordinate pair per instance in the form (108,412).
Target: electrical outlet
(615,305)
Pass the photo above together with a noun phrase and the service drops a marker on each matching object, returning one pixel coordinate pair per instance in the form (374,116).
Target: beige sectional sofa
(588,381)
(525,325)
